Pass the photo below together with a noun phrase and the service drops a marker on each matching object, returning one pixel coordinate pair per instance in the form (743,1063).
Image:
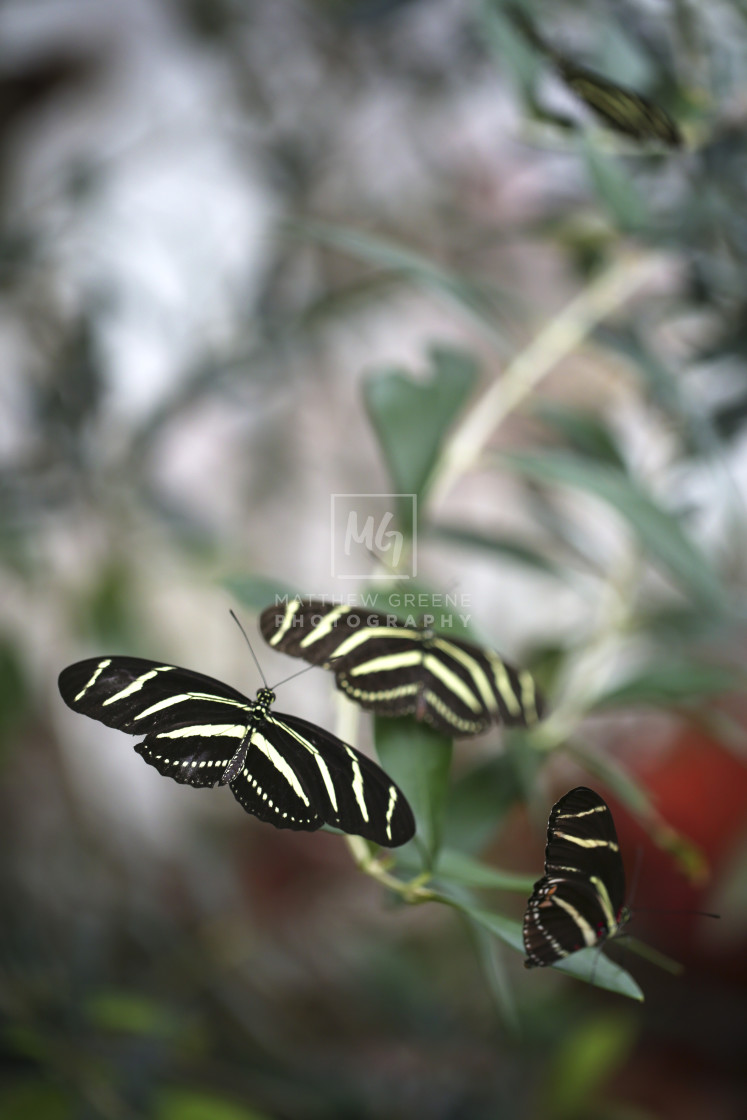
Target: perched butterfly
(201,732)
(396,670)
(580,900)
(620,107)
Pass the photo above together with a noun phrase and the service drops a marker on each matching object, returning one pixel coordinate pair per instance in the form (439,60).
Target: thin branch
(555,341)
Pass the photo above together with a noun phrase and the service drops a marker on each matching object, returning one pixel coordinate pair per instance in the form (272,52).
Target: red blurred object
(700,789)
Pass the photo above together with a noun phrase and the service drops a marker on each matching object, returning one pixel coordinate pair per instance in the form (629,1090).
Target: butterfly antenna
(300,672)
(246,639)
(675,910)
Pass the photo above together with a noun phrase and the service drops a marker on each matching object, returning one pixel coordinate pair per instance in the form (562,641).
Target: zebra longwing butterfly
(396,669)
(580,900)
(620,107)
(623,109)
(201,732)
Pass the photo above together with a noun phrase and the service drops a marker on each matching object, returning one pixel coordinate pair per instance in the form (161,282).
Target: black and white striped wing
(395,669)
(193,725)
(580,900)
(202,732)
(296,775)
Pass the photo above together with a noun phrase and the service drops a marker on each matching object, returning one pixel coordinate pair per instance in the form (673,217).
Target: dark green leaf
(584,431)
(411,417)
(418,759)
(478,801)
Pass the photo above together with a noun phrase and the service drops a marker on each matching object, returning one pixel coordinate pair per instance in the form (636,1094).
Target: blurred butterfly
(618,106)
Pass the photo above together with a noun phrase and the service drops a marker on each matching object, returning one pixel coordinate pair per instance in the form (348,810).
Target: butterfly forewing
(202,732)
(580,899)
(395,669)
(193,725)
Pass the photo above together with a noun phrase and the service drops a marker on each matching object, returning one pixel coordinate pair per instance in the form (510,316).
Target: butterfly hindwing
(200,731)
(580,899)
(396,669)
(375,796)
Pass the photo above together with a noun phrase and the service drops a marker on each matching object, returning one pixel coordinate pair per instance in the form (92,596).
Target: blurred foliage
(225,977)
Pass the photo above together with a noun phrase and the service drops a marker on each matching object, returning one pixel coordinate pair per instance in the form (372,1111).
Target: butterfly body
(580,900)
(396,669)
(201,732)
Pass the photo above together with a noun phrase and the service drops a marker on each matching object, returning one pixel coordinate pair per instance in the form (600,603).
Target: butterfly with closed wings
(620,107)
(200,732)
(396,669)
(580,900)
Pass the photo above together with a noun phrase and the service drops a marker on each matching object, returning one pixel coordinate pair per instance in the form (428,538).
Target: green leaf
(588,1055)
(461,868)
(418,759)
(587,964)
(584,431)
(658,531)
(411,417)
(418,269)
(669,684)
(491,955)
(478,801)
(614,187)
(511,48)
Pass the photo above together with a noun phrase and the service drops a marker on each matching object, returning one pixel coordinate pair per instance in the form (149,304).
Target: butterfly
(580,900)
(396,669)
(200,732)
(620,107)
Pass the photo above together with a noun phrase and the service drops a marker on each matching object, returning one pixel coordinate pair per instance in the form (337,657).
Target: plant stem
(560,337)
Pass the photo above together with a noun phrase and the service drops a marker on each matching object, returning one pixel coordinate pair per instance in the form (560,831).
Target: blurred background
(256,254)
